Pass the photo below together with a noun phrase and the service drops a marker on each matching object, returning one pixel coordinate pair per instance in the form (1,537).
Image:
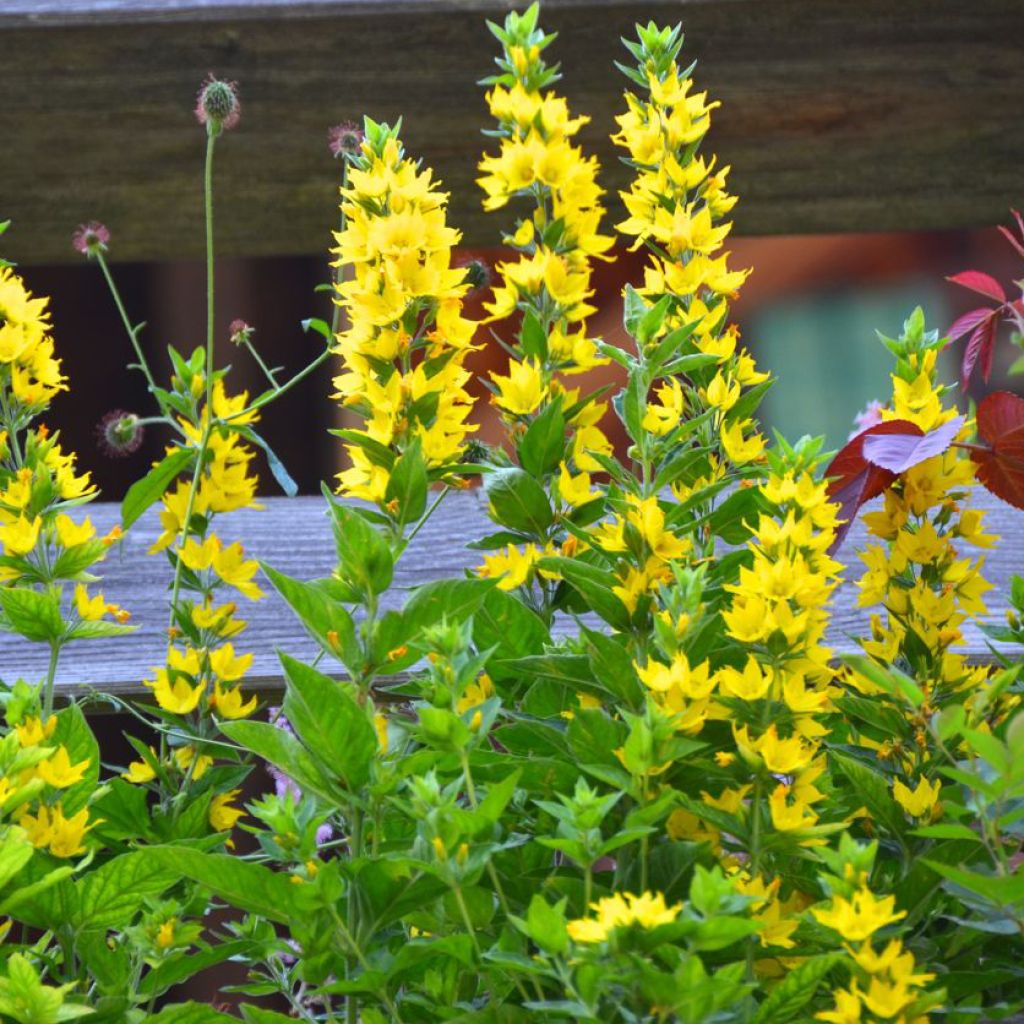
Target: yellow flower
(522,390)
(31,732)
(165,934)
(477,693)
(222,815)
(919,802)
(789,817)
(140,771)
(228,703)
(226,667)
(179,696)
(20,536)
(184,758)
(647,910)
(740,449)
(574,490)
(861,917)
(64,837)
(89,608)
(847,1008)
(71,534)
(664,416)
(58,771)
(230,565)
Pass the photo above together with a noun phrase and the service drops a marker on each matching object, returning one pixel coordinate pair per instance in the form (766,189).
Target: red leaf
(900,452)
(969,321)
(1001,467)
(981,343)
(855,480)
(981,283)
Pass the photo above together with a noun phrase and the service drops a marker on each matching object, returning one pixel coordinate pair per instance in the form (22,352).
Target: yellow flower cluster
(51,770)
(676,205)
(918,574)
(27,362)
(622,910)
(886,985)
(403,351)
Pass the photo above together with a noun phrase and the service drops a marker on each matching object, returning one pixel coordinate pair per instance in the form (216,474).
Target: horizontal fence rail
(836,116)
(294,536)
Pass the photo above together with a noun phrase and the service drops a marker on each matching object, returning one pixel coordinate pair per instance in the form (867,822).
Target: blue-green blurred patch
(825,356)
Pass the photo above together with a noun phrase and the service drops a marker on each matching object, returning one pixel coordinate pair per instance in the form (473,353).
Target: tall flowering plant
(614,774)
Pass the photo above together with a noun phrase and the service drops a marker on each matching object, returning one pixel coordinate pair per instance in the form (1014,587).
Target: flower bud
(240,333)
(217,105)
(120,433)
(345,140)
(90,238)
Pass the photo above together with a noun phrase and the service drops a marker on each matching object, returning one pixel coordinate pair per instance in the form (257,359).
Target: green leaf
(888,678)
(796,990)
(506,627)
(245,885)
(168,973)
(1004,891)
(872,790)
(364,556)
(98,629)
(74,733)
(542,446)
(451,600)
(407,485)
(32,614)
(283,751)
(191,1013)
(111,895)
(518,502)
(595,587)
(321,615)
(274,464)
(326,717)
(152,486)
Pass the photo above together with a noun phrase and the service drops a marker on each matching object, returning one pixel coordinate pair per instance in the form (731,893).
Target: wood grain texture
(837,116)
(294,536)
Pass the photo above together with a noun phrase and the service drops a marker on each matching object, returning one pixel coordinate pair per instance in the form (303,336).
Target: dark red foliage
(1000,463)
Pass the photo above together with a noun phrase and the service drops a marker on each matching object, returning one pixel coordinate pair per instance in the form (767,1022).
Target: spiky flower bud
(90,238)
(345,140)
(120,433)
(217,105)
(239,332)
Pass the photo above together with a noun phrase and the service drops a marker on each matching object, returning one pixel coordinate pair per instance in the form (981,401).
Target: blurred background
(809,312)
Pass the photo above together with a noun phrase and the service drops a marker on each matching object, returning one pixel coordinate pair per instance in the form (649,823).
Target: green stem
(267,372)
(286,386)
(339,275)
(211,139)
(430,511)
(51,674)
(189,508)
(132,332)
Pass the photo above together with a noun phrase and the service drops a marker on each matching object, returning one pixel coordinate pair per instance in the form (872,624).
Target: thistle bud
(478,274)
(345,140)
(240,332)
(120,433)
(91,238)
(217,105)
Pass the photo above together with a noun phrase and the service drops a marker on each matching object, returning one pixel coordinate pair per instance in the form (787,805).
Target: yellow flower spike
(20,536)
(58,771)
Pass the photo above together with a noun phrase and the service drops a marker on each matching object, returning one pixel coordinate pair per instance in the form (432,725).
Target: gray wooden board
(836,116)
(294,536)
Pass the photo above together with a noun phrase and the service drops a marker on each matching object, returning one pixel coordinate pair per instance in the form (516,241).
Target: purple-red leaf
(980,344)
(981,283)
(1000,467)
(969,321)
(855,480)
(900,452)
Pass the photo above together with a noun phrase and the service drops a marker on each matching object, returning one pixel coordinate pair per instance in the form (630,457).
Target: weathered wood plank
(294,536)
(837,116)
